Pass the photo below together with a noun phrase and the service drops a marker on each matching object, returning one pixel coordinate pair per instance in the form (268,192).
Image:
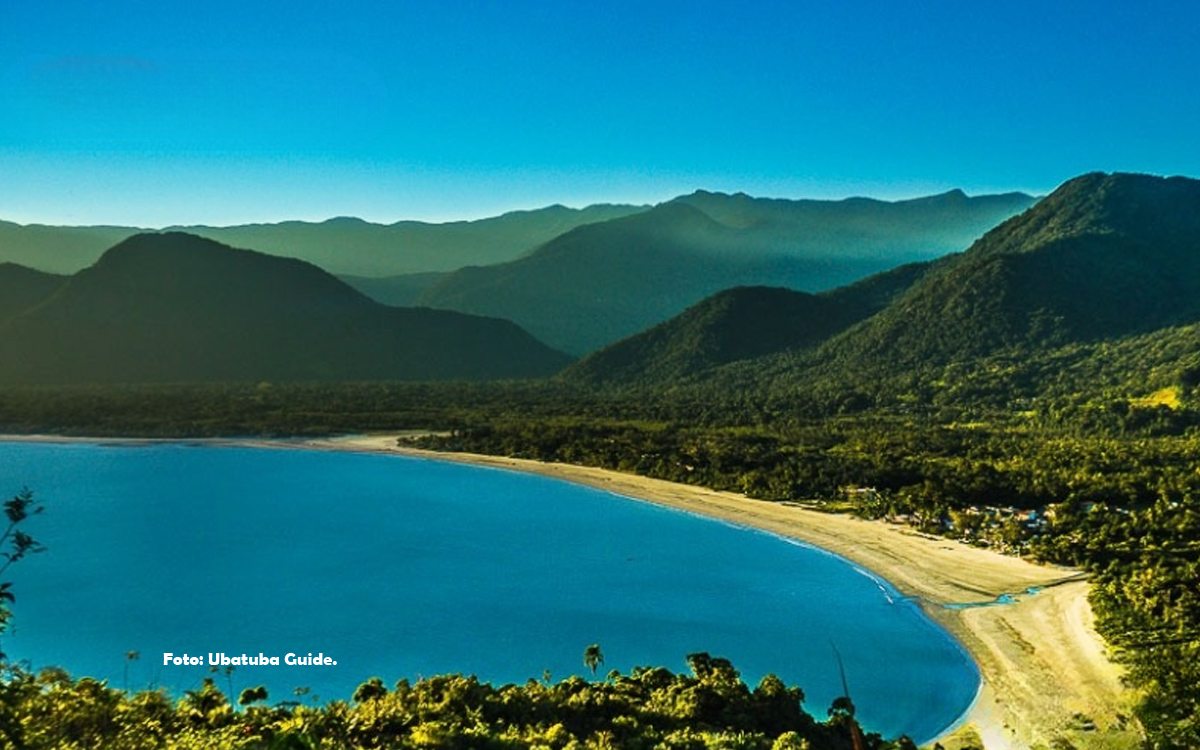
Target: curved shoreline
(1044,669)
(1042,664)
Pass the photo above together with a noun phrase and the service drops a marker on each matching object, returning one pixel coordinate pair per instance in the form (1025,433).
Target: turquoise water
(404,567)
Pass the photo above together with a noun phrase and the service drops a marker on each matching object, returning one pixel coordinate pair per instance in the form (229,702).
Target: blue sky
(219,112)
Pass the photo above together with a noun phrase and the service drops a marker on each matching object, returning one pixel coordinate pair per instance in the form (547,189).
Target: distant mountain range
(178,308)
(343,245)
(1098,282)
(1104,270)
(580,279)
(604,281)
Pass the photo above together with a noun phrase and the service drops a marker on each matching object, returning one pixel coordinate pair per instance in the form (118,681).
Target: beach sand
(1046,673)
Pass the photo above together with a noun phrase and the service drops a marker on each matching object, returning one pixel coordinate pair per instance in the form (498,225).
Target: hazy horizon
(318,219)
(229,114)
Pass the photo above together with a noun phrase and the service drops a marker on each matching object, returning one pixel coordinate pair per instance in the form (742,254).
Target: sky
(218,112)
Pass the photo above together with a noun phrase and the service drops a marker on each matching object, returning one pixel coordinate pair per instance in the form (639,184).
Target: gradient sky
(162,112)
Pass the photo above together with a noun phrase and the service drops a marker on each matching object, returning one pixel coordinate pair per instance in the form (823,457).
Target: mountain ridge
(740,324)
(1103,260)
(1102,256)
(345,245)
(173,307)
(600,283)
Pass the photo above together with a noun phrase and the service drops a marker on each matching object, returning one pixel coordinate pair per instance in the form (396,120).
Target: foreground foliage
(650,708)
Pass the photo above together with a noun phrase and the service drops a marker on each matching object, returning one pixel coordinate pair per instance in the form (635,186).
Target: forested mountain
(174,307)
(605,281)
(1098,283)
(342,245)
(1104,256)
(22,288)
(1094,293)
(739,324)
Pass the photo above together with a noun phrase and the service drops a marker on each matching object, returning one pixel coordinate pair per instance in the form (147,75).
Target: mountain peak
(732,325)
(172,307)
(1103,256)
(174,250)
(1109,187)
(1158,210)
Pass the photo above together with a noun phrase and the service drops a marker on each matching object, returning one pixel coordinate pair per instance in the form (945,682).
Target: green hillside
(606,281)
(1104,256)
(1097,286)
(1093,291)
(740,324)
(174,307)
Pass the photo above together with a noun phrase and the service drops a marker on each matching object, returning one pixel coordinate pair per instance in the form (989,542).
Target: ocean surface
(402,567)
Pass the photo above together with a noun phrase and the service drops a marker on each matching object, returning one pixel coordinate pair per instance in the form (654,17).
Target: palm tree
(129,656)
(843,707)
(204,701)
(252,695)
(593,657)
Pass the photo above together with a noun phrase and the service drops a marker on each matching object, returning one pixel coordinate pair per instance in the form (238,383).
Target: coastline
(1044,669)
(1042,664)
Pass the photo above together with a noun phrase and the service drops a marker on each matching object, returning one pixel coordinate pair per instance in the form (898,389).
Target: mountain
(342,245)
(356,247)
(175,307)
(603,282)
(1104,256)
(740,324)
(21,288)
(920,228)
(1096,287)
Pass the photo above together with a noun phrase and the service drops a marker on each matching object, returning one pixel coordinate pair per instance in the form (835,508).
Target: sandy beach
(1046,673)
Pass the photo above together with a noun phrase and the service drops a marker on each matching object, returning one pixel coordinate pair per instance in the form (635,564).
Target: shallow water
(402,567)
